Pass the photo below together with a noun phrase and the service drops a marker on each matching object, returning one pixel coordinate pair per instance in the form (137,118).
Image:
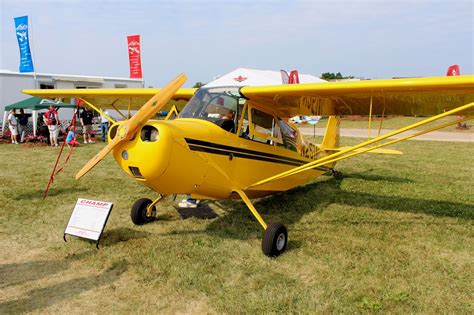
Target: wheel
(138,213)
(274,240)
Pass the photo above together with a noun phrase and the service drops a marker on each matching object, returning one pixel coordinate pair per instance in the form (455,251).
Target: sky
(205,39)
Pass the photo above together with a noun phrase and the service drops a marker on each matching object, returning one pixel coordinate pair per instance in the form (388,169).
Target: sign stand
(88,219)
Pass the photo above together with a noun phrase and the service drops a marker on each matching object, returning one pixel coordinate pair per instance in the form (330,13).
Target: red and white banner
(134,56)
(284,77)
(453,70)
(294,77)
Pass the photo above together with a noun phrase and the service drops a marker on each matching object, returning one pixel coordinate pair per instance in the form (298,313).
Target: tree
(198,84)
(329,76)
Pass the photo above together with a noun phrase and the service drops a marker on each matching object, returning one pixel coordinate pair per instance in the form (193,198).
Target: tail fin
(331,137)
(453,70)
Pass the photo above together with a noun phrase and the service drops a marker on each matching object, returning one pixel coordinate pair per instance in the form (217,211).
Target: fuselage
(198,156)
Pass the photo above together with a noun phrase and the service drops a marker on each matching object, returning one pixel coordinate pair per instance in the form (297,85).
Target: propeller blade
(153,106)
(127,129)
(98,157)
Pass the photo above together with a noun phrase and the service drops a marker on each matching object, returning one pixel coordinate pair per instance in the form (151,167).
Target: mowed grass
(395,235)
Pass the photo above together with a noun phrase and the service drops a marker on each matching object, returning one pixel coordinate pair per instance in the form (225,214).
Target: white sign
(88,218)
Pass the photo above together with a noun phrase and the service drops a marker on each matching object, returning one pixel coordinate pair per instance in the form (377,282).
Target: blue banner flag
(21,30)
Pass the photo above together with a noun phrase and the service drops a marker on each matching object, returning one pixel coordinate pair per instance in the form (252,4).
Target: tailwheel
(336,174)
(139,213)
(274,240)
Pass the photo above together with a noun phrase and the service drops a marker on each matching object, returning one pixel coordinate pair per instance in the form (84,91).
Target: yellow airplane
(236,142)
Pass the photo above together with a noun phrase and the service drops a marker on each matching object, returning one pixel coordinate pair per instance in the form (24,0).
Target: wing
(112,98)
(438,97)
(407,97)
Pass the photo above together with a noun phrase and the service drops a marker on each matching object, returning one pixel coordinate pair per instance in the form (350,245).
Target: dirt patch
(5,141)
(34,144)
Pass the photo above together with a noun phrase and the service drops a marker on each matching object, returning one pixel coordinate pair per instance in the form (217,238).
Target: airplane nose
(146,155)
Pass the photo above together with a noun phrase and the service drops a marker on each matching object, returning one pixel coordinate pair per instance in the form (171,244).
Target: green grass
(395,235)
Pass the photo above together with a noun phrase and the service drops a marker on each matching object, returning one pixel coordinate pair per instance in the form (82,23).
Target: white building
(11,84)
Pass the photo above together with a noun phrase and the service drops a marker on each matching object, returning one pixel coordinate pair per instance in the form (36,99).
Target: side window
(263,127)
(289,136)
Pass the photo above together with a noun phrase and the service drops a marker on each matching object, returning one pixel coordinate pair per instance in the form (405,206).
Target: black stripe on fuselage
(215,148)
(240,155)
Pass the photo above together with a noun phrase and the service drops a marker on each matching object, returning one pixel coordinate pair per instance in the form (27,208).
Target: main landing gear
(144,211)
(275,236)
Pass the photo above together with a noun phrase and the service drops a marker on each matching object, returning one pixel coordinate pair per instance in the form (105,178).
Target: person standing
(189,202)
(86,122)
(52,121)
(104,125)
(13,125)
(22,123)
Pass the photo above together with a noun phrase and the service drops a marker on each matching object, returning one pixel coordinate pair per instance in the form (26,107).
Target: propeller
(127,129)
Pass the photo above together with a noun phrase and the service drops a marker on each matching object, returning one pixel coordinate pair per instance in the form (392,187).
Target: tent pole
(35,121)
(4,122)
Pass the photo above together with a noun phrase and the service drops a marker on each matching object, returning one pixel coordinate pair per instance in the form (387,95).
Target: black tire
(337,175)
(138,213)
(275,239)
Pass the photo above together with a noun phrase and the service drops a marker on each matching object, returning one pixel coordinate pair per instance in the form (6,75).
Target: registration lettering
(311,151)
(310,104)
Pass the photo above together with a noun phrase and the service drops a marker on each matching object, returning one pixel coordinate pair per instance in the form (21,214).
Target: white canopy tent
(253,77)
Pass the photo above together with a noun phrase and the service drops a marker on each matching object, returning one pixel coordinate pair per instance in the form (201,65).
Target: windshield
(218,105)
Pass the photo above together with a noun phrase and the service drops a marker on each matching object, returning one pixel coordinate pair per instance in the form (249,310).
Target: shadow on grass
(118,235)
(15,274)
(54,191)
(378,178)
(38,299)
(19,273)
(289,207)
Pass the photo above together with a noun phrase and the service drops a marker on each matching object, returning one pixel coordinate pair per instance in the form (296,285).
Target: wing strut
(98,110)
(339,155)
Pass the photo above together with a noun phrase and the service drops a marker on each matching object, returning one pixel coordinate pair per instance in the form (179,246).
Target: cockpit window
(263,127)
(217,105)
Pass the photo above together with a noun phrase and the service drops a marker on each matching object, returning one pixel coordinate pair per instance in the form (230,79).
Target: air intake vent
(136,172)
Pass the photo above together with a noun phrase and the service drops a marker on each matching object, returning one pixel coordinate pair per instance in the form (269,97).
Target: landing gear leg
(275,235)
(144,211)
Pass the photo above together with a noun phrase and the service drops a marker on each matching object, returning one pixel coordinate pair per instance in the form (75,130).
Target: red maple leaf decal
(240,78)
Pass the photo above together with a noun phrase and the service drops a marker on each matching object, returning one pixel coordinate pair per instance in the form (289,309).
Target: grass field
(395,235)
